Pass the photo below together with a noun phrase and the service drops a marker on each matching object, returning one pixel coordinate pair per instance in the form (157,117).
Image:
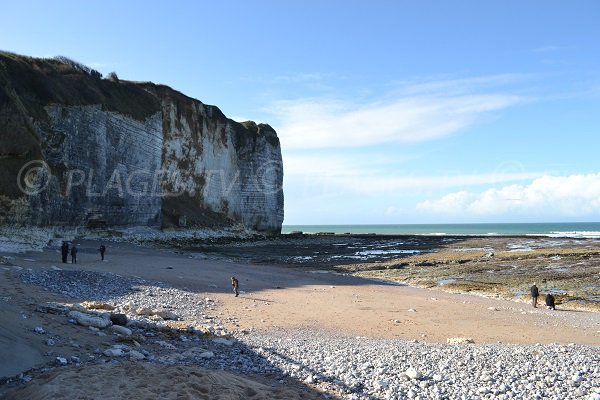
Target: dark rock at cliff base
(77,150)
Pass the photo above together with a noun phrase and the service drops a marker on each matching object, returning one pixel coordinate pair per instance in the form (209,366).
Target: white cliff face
(189,166)
(261,177)
(221,166)
(192,164)
(103,168)
(80,151)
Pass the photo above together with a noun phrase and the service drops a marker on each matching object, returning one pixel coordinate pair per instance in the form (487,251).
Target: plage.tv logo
(35,176)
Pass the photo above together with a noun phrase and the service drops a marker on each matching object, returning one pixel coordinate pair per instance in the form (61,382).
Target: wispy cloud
(364,176)
(290,77)
(548,49)
(303,77)
(549,196)
(417,112)
(455,86)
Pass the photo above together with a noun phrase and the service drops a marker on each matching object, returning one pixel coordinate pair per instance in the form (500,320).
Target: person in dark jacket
(74,255)
(550,301)
(64,249)
(535,293)
(102,251)
(235,284)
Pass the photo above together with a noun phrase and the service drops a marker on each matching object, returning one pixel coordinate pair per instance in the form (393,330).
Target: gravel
(126,293)
(95,286)
(394,369)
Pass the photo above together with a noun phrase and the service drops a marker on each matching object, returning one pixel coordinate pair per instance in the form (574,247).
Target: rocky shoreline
(18,239)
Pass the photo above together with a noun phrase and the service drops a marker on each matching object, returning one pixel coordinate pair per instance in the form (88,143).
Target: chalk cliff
(78,150)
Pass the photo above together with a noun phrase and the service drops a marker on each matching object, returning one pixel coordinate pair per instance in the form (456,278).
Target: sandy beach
(272,299)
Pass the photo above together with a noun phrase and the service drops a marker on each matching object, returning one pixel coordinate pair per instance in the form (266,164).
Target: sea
(549,229)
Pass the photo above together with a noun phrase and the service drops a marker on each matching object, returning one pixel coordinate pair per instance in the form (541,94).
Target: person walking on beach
(236,285)
(550,301)
(74,255)
(535,293)
(65,251)
(102,250)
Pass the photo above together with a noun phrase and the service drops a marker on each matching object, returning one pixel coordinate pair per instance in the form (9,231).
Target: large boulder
(89,320)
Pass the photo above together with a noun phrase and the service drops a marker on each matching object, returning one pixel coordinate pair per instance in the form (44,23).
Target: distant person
(102,250)
(236,286)
(550,301)
(64,249)
(535,293)
(74,255)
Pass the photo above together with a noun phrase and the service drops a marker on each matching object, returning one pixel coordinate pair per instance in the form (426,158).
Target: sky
(388,112)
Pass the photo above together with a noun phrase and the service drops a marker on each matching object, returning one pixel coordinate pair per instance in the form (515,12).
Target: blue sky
(388,111)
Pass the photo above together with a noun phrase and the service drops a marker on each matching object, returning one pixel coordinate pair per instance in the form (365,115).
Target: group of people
(535,293)
(65,250)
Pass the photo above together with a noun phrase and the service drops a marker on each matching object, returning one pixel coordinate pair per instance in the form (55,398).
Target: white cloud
(552,196)
(364,175)
(415,112)
(339,165)
(289,78)
(458,85)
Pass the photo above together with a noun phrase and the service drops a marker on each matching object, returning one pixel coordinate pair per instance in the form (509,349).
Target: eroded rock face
(94,153)
(221,166)
(109,164)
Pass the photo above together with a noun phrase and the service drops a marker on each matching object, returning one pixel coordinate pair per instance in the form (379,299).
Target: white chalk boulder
(89,320)
(121,330)
(412,373)
(165,314)
(114,352)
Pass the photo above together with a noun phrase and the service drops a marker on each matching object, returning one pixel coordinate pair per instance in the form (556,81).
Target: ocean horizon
(550,229)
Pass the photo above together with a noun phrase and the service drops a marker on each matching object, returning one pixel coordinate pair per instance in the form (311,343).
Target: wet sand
(505,266)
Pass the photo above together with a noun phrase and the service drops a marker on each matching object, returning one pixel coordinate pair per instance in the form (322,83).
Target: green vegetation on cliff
(28,84)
